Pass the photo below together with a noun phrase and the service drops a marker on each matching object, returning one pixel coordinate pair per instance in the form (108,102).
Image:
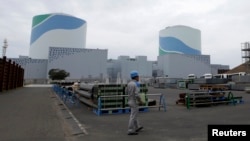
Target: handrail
(230,97)
(162,102)
(127,95)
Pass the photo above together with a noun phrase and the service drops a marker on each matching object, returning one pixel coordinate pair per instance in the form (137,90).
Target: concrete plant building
(58,42)
(34,69)
(56,30)
(180,52)
(81,63)
(119,70)
(180,39)
(180,65)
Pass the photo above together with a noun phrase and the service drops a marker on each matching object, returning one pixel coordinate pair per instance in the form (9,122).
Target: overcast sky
(131,27)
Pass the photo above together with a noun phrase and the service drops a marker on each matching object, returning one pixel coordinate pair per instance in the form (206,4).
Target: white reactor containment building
(56,30)
(180,39)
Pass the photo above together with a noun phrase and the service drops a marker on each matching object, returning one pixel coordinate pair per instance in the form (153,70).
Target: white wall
(33,68)
(188,35)
(180,65)
(80,63)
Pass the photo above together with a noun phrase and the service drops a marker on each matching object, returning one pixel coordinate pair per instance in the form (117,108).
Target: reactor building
(180,39)
(58,41)
(180,52)
(56,30)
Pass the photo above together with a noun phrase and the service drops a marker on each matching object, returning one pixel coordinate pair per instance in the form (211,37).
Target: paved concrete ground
(29,114)
(176,124)
(36,113)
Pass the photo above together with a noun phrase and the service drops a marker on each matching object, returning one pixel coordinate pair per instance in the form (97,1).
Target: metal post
(162,102)
(99,110)
(231,97)
(187,101)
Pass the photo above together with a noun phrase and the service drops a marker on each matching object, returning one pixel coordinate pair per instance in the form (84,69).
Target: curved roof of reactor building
(180,39)
(56,30)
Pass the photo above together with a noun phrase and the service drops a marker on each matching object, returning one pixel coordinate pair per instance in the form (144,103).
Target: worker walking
(134,100)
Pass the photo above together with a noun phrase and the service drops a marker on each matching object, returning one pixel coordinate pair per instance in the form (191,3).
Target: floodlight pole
(5,45)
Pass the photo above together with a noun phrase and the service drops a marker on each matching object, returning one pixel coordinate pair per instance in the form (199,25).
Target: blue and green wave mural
(174,45)
(47,22)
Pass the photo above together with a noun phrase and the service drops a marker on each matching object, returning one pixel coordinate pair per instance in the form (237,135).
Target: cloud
(131,27)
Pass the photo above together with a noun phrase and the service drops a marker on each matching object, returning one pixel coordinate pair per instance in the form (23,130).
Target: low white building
(180,65)
(79,62)
(122,67)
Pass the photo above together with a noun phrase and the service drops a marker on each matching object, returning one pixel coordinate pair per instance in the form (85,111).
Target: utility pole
(5,45)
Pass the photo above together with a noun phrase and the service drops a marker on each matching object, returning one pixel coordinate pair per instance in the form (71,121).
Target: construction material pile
(107,96)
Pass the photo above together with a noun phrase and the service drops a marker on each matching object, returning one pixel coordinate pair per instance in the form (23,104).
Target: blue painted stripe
(173,44)
(55,22)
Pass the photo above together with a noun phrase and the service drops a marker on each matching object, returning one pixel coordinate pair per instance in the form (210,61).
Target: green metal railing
(210,98)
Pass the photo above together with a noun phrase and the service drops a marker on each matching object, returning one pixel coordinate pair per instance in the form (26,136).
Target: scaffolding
(245,48)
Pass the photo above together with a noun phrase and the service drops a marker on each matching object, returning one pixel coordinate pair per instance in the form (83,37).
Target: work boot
(133,133)
(138,129)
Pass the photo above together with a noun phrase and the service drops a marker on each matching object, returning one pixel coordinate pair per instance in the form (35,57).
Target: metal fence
(11,75)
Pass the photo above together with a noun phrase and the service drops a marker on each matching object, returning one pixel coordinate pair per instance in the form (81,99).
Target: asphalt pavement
(29,114)
(37,113)
(176,124)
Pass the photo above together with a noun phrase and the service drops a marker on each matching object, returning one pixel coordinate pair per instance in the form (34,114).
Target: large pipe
(86,86)
(85,94)
(86,90)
